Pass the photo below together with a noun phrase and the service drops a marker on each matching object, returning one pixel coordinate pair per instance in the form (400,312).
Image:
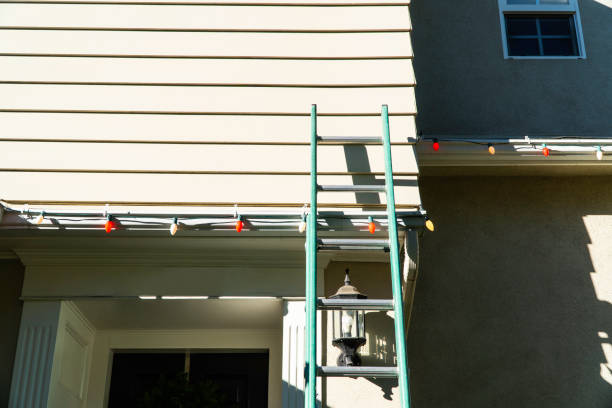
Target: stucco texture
(466,87)
(512,305)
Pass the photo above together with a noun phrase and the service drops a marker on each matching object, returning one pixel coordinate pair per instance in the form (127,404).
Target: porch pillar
(293,354)
(294,320)
(34,356)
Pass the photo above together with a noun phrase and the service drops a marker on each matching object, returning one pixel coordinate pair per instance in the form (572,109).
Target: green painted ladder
(313,244)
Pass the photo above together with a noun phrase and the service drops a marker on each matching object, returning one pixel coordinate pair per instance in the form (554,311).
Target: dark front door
(189,379)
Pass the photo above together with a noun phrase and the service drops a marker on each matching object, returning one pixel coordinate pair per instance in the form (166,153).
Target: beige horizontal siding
(211,158)
(232,44)
(349,72)
(213,129)
(201,102)
(248,99)
(249,3)
(242,189)
(212,17)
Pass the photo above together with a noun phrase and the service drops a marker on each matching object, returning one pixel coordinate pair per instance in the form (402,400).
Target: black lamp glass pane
(559,47)
(519,25)
(523,47)
(556,25)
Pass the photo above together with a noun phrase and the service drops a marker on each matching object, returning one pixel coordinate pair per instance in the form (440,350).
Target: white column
(293,354)
(53,357)
(294,317)
(34,357)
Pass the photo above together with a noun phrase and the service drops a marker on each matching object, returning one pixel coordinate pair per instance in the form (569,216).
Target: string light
(545,150)
(110,224)
(371,225)
(599,153)
(40,218)
(429,224)
(491,149)
(436,145)
(239,224)
(303,225)
(174,226)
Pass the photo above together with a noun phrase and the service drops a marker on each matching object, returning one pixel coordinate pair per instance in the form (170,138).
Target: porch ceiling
(182,314)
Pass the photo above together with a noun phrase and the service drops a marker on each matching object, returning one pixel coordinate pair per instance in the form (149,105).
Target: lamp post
(348,326)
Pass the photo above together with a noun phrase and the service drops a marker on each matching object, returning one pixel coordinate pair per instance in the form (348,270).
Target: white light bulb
(174,227)
(599,153)
(302,226)
(347,323)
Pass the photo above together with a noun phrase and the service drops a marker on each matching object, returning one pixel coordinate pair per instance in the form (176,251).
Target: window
(541,29)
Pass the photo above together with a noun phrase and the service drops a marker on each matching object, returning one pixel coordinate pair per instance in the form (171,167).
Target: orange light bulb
(239,225)
(491,149)
(371,225)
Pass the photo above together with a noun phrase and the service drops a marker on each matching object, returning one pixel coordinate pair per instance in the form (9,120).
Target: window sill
(545,58)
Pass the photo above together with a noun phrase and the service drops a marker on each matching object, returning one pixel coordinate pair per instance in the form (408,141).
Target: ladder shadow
(356,157)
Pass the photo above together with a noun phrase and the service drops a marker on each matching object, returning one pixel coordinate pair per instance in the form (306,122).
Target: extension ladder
(313,244)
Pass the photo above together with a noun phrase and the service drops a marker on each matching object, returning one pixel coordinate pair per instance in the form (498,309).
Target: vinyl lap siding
(200,102)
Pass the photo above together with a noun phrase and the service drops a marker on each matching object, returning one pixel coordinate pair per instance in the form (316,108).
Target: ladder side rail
(311,279)
(396,284)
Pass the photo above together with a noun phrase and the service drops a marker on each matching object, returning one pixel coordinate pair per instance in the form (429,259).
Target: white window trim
(571,8)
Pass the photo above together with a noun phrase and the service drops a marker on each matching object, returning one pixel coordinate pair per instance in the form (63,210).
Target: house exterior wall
(10,305)
(512,305)
(140,83)
(466,87)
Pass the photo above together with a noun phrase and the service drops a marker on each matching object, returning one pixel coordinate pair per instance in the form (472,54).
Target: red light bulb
(109,225)
(545,151)
(371,225)
(436,145)
(239,225)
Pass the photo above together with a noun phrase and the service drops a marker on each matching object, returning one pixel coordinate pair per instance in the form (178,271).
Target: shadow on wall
(380,349)
(466,87)
(512,304)
(372,279)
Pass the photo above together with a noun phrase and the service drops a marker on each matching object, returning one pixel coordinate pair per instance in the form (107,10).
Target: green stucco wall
(512,305)
(11,273)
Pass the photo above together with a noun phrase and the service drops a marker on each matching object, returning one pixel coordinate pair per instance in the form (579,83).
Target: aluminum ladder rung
(355,304)
(343,244)
(363,242)
(361,371)
(353,188)
(351,139)
(351,248)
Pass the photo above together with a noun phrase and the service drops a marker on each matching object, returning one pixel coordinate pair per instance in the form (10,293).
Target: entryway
(189,378)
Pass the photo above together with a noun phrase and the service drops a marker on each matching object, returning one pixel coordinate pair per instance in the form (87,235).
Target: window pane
(523,47)
(556,25)
(554,1)
(511,2)
(517,25)
(556,46)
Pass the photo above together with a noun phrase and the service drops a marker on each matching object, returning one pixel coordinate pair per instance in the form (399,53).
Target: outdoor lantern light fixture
(348,326)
